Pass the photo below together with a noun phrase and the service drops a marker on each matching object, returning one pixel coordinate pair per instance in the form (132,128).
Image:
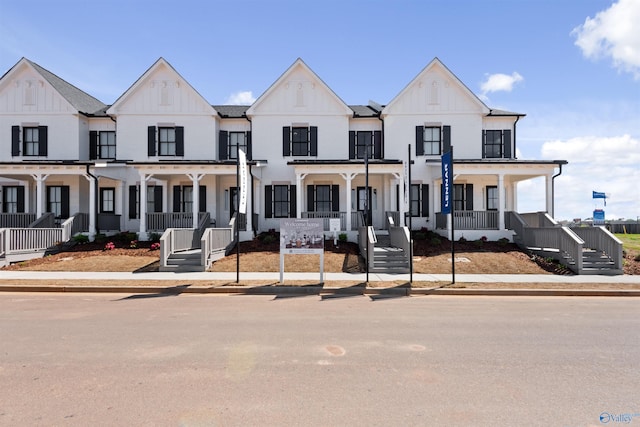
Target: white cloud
(613,33)
(241,98)
(606,164)
(500,82)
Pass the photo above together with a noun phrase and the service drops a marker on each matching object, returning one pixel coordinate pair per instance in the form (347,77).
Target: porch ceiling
(183,169)
(349,168)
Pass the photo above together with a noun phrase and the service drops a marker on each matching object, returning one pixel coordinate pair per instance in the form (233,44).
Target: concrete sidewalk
(315,277)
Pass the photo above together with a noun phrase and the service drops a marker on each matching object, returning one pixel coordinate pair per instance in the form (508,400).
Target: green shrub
(462,240)
(154,237)
(268,238)
(435,241)
(419,235)
(80,239)
(503,241)
(637,258)
(100,238)
(342,237)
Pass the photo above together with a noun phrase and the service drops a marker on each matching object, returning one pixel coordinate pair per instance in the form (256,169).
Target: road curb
(320,290)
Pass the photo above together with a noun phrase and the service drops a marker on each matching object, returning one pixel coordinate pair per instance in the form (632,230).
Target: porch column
(93,181)
(142,234)
(501,201)
(548,180)
(401,205)
(195,179)
(27,198)
(348,177)
(299,179)
(40,180)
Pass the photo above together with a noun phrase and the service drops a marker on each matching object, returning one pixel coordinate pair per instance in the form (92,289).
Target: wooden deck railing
(160,221)
(601,239)
(16,220)
(470,220)
(215,241)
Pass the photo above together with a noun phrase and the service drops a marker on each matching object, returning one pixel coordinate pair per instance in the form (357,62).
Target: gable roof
(80,100)
(435,62)
(159,63)
(298,63)
(231,111)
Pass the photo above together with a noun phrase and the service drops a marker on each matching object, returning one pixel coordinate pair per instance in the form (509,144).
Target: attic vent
(166,92)
(434,93)
(29,93)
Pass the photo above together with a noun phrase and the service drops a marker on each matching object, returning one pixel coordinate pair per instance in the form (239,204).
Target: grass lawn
(630,242)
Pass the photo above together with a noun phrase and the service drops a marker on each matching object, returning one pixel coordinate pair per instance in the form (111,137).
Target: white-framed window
(432,138)
(107,145)
(167,141)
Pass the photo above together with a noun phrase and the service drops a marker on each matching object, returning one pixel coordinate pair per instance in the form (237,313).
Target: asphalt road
(207,360)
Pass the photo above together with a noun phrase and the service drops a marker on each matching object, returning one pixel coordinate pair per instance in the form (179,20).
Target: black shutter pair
(377,145)
(43,141)
(19,201)
(268,201)
(223,145)
(313,141)
(446,140)
(133,200)
(64,200)
(335,198)
(151,141)
(202,198)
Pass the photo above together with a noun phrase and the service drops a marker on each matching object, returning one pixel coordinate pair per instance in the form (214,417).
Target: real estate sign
(301,236)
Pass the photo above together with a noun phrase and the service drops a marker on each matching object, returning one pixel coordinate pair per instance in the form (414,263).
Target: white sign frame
(300,236)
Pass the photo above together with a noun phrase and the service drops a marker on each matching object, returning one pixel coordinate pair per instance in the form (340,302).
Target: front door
(364,204)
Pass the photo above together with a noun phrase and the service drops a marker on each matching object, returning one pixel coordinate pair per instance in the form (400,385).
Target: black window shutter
(352,144)
(419,141)
(151,141)
(202,196)
(397,198)
(506,140)
(425,200)
(42,144)
(249,147)
(179,140)
(223,144)
(335,198)
(286,141)
(64,198)
(469,197)
(446,139)
(157,198)
(442,196)
(293,213)
(15,140)
(314,141)
(93,145)
(268,206)
(176,198)
(133,195)
(20,191)
(311,205)
(377,145)
(484,143)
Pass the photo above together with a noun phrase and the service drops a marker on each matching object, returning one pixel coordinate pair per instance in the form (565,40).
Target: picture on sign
(301,236)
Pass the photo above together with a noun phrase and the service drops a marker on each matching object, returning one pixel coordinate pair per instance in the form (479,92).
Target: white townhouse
(161,156)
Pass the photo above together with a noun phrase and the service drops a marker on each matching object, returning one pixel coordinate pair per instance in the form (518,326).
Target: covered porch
(484,193)
(185,195)
(338,190)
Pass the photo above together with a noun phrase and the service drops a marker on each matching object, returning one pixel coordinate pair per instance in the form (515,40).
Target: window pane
(364,140)
(493,144)
(323,198)
(431,138)
(31,138)
(414,196)
(236,141)
(55,200)
(492,198)
(281,201)
(300,142)
(107,145)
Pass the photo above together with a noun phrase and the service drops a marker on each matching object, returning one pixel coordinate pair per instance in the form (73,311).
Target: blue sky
(573,66)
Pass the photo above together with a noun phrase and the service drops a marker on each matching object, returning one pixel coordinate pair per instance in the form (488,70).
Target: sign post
(447,203)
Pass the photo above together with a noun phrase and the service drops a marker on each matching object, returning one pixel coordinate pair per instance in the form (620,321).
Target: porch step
(597,262)
(184,261)
(388,259)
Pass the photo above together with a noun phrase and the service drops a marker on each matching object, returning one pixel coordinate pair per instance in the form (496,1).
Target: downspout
(553,198)
(514,137)
(253,226)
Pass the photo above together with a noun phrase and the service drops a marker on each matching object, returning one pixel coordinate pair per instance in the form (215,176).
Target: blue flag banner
(598,195)
(447,183)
